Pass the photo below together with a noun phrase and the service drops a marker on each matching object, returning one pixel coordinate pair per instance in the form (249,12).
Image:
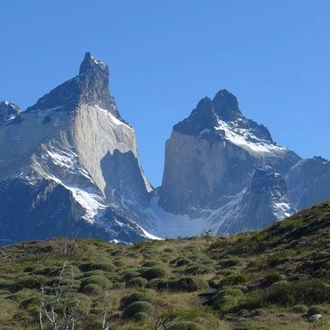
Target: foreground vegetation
(271,279)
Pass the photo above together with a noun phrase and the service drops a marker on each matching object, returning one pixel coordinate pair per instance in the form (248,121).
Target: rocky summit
(69,167)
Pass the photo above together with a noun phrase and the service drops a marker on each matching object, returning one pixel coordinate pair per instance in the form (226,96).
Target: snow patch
(98,62)
(114,120)
(173,225)
(243,137)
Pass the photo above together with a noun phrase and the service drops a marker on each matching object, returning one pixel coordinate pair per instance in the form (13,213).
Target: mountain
(226,171)
(69,167)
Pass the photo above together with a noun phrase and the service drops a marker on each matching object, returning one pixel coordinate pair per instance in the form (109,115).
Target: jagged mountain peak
(90,87)
(226,105)
(222,119)
(90,62)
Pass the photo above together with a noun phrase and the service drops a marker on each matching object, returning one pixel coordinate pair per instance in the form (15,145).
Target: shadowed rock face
(42,211)
(308,182)
(48,210)
(265,200)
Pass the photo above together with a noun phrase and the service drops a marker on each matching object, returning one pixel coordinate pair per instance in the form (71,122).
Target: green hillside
(271,279)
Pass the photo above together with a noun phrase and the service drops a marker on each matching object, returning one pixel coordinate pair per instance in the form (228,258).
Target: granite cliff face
(74,139)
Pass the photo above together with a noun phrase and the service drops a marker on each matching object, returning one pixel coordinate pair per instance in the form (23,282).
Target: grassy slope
(270,279)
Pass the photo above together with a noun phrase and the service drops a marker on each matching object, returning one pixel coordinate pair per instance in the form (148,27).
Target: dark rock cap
(224,106)
(91,87)
(90,62)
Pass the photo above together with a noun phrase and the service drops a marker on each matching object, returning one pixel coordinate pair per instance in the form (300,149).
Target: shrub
(151,263)
(157,284)
(137,282)
(198,269)
(99,280)
(94,272)
(141,316)
(300,309)
(229,262)
(91,289)
(234,279)
(271,278)
(134,297)
(250,301)
(304,292)
(129,275)
(187,284)
(137,307)
(6,284)
(106,266)
(314,310)
(23,295)
(185,325)
(28,282)
(154,272)
(182,261)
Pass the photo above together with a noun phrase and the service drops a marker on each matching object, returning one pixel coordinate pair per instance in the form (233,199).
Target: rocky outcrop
(90,87)
(309,182)
(265,200)
(9,113)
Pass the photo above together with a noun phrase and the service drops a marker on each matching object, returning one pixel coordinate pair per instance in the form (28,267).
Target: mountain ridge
(223,172)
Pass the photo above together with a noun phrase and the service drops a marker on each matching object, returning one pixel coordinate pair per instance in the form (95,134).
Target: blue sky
(165,55)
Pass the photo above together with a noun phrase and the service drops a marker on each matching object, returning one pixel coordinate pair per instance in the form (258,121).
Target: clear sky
(165,55)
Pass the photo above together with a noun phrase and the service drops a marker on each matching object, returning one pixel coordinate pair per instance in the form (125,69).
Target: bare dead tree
(106,311)
(160,323)
(61,306)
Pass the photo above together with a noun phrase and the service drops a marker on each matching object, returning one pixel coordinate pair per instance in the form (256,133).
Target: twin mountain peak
(69,167)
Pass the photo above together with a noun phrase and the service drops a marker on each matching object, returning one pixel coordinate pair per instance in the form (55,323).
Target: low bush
(91,289)
(198,269)
(187,284)
(127,275)
(154,272)
(182,261)
(137,282)
(229,262)
(185,325)
(28,282)
(138,307)
(134,297)
(234,279)
(307,292)
(106,266)
(99,280)
(23,295)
